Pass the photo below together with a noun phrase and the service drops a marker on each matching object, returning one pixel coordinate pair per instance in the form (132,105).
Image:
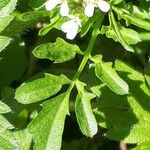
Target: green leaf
(60,51)
(55,22)
(4,108)
(8,142)
(5,22)
(130,35)
(33,15)
(24,139)
(84,114)
(4,41)
(126,117)
(139,103)
(4,124)
(40,89)
(109,76)
(48,126)
(3,3)
(96,90)
(120,37)
(137,11)
(6,137)
(132,17)
(8,8)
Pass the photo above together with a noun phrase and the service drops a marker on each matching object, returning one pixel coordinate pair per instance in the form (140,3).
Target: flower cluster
(71,27)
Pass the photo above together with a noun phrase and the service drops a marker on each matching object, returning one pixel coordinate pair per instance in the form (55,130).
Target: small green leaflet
(109,76)
(96,90)
(4,41)
(135,18)
(6,137)
(55,22)
(4,124)
(40,89)
(33,15)
(130,35)
(5,22)
(49,124)
(119,35)
(137,11)
(5,19)
(83,110)
(4,108)
(7,9)
(60,51)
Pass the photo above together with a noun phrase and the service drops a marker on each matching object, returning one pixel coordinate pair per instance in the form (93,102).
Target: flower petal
(89,10)
(64,9)
(70,28)
(103,6)
(50,4)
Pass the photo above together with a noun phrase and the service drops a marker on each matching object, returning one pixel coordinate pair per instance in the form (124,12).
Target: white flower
(51,4)
(64,8)
(91,4)
(103,6)
(71,27)
(89,8)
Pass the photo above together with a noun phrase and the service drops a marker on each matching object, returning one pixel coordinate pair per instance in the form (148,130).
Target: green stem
(88,51)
